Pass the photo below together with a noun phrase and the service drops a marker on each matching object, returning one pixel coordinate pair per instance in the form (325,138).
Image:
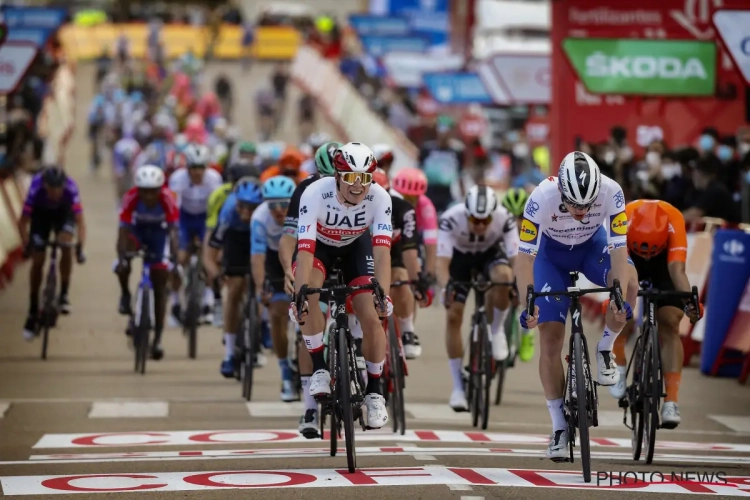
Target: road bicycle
(142,319)
(481,361)
(347,388)
(50,311)
(643,396)
(580,412)
(194,290)
(248,344)
(513,337)
(395,369)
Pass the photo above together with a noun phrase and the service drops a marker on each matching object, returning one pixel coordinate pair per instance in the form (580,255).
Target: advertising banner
(734,28)
(37,36)
(405,69)
(457,88)
(33,17)
(517,79)
(15,59)
(429,18)
(379,25)
(378,46)
(644,67)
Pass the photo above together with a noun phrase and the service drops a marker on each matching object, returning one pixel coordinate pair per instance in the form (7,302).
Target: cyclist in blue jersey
(232,234)
(266,230)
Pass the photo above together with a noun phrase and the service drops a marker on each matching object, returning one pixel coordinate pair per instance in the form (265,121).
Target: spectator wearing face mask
(743,141)
(711,197)
(730,164)
(707,141)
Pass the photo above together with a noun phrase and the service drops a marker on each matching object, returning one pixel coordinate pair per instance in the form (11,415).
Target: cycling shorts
(656,272)
(552,267)
(47,220)
(236,256)
(154,241)
(191,226)
(275,274)
(464,265)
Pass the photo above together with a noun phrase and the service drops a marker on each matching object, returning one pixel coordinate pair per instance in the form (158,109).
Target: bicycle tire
(192,312)
(651,398)
(635,397)
(331,406)
(45,327)
(142,330)
(475,375)
(251,345)
(344,392)
(582,410)
(396,382)
(488,370)
(511,333)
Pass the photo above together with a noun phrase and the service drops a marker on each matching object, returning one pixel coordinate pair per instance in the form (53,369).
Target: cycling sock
(208,297)
(555,408)
(619,349)
(672,384)
(229,340)
(64,288)
(310,403)
(316,348)
(286,371)
(374,370)
(607,342)
(498,320)
(457,373)
(175,298)
(406,324)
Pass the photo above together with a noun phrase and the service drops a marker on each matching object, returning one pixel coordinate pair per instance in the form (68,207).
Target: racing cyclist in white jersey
(193,185)
(574,222)
(335,217)
(478,236)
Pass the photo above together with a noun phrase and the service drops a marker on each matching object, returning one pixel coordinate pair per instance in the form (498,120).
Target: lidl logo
(619,224)
(529,231)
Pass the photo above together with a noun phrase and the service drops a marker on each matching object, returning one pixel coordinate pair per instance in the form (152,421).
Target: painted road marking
(416,452)
(714,483)
(130,409)
(460,487)
(736,423)
(610,418)
(434,412)
(4,409)
(275,409)
(179,438)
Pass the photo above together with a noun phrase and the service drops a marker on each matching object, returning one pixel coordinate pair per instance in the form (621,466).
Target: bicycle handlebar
(615,294)
(340,291)
(143,254)
(479,285)
(652,293)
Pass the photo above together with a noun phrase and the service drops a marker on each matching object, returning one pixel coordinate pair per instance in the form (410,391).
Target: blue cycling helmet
(280,187)
(249,191)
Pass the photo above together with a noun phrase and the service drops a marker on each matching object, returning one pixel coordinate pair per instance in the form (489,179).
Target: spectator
(708,141)
(730,164)
(711,198)
(442,163)
(743,141)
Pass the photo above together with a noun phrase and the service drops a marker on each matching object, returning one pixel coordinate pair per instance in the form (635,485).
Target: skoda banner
(644,67)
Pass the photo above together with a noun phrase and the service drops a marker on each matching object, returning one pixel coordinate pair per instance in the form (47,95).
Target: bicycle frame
(49,312)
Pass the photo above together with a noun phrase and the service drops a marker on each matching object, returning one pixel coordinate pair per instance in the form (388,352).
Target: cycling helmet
(324,158)
(515,200)
(381,178)
(248,147)
(355,157)
(648,228)
(197,154)
(318,139)
(290,158)
(410,182)
(180,142)
(221,125)
(278,188)
(149,177)
(579,179)
(249,191)
(241,170)
(54,177)
(382,152)
(162,120)
(481,201)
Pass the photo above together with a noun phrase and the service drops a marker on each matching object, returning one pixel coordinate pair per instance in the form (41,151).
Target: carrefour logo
(734,247)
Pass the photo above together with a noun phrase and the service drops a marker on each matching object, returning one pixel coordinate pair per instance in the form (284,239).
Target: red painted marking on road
(92,439)
(427,435)
(480,437)
(471,475)
(293,479)
(208,437)
(603,442)
(391,450)
(365,476)
(190,453)
(62,483)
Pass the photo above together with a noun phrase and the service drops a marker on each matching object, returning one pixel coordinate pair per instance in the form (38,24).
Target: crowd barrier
(271,42)
(346,108)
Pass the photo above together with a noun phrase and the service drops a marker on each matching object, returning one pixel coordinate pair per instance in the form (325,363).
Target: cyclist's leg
(460,269)
(236,251)
(64,235)
(184,232)
(211,261)
(403,307)
(279,316)
(159,245)
(498,300)
(41,225)
(313,329)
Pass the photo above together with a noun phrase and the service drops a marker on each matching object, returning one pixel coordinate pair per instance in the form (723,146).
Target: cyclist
(315,141)
(657,244)
(288,165)
(192,186)
(245,150)
(308,423)
(384,155)
(411,184)
(563,230)
(479,235)
(334,218)
(148,219)
(232,235)
(514,201)
(52,204)
(124,153)
(266,230)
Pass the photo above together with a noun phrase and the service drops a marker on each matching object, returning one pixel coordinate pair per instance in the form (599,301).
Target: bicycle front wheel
(487,371)
(192,312)
(251,346)
(396,382)
(582,411)
(651,398)
(331,405)
(635,400)
(45,320)
(345,401)
(142,330)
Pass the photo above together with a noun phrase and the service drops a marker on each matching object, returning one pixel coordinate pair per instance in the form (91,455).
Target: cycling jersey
(124,155)
(215,202)
(546,216)
(135,214)
(229,218)
(266,233)
(192,199)
(677,237)
(427,219)
(292,214)
(322,217)
(405,230)
(38,200)
(455,234)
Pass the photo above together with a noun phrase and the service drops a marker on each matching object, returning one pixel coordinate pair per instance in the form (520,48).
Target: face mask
(653,158)
(520,150)
(724,153)
(706,142)
(609,157)
(744,148)
(670,170)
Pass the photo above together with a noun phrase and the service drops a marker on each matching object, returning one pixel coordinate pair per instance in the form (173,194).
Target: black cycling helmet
(54,177)
(239,170)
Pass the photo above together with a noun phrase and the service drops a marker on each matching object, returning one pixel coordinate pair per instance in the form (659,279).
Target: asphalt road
(182,431)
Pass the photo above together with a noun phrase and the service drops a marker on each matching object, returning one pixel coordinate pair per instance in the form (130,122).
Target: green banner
(644,67)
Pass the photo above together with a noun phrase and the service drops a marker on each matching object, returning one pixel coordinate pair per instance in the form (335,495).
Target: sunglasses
(243,205)
(480,222)
(276,205)
(577,206)
(351,177)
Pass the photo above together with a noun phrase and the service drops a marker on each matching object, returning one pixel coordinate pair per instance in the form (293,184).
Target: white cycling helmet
(354,157)
(180,141)
(149,177)
(382,152)
(579,179)
(221,125)
(317,139)
(197,154)
(481,201)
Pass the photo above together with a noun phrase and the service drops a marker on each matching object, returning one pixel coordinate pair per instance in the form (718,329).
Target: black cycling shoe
(63,304)
(157,352)
(124,307)
(177,313)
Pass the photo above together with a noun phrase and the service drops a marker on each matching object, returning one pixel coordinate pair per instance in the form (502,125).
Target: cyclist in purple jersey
(53,204)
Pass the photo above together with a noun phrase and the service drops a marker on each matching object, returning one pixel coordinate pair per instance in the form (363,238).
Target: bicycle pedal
(623,403)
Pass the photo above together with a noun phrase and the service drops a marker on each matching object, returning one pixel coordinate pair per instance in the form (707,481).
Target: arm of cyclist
(289,240)
(258,253)
(429,228)
(211,257)
(528,246)
(410,252)
(617,240)
(444,254)
(307,233)
(381,244)
(676,259)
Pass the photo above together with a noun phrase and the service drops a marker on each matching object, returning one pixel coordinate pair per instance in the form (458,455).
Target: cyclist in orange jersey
(288,165)
(657,244)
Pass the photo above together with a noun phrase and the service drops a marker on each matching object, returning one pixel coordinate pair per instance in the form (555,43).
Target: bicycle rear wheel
(192,311)
(251,345)
(651,398)
(635,400)
(345,402)
(331,405)
(475,375)
(487,371)
(396,380)
(142,330)
(582,410)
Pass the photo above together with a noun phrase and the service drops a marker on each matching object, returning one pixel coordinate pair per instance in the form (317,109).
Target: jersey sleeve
(214,180)
(175,185)
(171,211)
(382,232)
(531,225)
(307,224)
(677,234)
(127,207)
(510,236)
(31,197)
(409,231)
(75,197)
(617,218)
(428,221)
(258,234)
(445,239)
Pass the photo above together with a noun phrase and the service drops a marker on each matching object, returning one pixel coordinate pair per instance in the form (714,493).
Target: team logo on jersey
(618,224)
(529,231)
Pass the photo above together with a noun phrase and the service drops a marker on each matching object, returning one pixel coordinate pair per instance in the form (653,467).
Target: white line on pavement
(131,409)
(460,487)
(735,422)
(4,409)
(275,409)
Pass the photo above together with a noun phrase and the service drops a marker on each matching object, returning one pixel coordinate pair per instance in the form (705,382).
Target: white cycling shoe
(377,413)
(499,345)
(557,450)
(618,390)
(320,384)
(458,401)
(608,373)
(670,415)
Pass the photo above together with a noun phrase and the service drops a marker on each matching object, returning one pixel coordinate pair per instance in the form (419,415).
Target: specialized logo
(577,317)
(529,231)
(618,225)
